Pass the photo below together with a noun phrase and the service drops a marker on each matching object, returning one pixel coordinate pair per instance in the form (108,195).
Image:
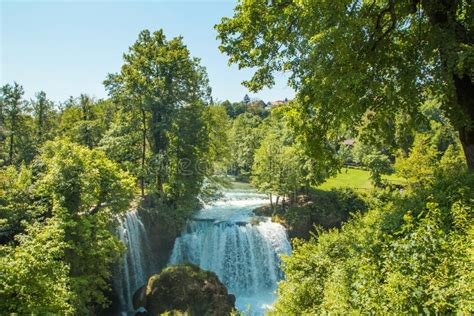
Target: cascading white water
(132,274)
(228,240)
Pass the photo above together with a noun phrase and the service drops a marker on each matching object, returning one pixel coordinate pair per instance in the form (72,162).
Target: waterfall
(226,238)
(133,273)
(243,252)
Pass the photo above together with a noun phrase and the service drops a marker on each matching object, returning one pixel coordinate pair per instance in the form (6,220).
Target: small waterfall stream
(133,272)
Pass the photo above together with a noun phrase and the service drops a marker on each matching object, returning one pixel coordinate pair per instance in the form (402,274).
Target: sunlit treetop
(353,62)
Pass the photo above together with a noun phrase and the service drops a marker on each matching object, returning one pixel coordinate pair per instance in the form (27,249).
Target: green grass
(354,178)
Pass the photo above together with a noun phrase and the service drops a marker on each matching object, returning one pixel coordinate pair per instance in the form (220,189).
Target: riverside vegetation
(393,76)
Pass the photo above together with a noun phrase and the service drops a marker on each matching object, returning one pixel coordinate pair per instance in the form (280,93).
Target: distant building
(277,103)
(349,142)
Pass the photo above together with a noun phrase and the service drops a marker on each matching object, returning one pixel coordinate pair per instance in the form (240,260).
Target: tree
(18,204)
(57,220)
(85,120)
(88,129)
(85,190)
(157,78)
(43,112)
(381,57)
(218,125)
(378,164)
(189,162)
(246,100)
(419,166)
(278,169)
(402,256)
(3,131)
(245,139)
(280,165)
(267,166)
(13,107)
(122,142)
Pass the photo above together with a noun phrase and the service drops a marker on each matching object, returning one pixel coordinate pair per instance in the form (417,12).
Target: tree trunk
(12,139)
(10,154)
(142,176)
(271,201)
(159,143)
(465,98)
(442,16)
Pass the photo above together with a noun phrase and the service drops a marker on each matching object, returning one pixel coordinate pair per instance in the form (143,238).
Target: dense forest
(382,87)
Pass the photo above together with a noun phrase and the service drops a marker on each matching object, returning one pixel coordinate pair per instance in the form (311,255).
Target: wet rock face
(186,288)
(139,298)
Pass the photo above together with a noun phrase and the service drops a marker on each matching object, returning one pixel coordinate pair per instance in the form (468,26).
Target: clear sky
(67,47)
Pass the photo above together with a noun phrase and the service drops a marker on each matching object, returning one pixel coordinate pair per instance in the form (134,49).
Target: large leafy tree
(158,77)
(359,61)
(188,155)
(245,138)
(218,125)
(66,201)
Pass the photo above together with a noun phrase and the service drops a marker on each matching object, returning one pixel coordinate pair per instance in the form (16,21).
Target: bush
(411,253)
(59,249)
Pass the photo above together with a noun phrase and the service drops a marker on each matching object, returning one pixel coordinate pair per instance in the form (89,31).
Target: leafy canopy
(359,61)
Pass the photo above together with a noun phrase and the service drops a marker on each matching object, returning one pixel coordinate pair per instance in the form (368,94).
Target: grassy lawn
(355,178)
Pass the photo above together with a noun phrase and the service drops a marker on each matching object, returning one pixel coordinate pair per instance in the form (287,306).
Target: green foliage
(82,180)
(255,107)
(34,276)
(410,253)
(277,168)
(122,142)
(234,109)
(345,153)
(11,116)
(359,62)
(245,138)
(85,121)
(378,164)
(188,150)
(66,200)
(158,77)
(418,167)
(188,289)
(19,203)
(326,209)
(281,165)
(44,116)
(218,124)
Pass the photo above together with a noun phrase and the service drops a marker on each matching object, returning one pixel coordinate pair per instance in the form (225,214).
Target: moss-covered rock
(189,289)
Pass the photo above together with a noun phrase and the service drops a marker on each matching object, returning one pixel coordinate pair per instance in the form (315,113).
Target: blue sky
(67,47)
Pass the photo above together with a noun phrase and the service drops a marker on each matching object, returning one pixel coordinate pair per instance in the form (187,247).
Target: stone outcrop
(185,288)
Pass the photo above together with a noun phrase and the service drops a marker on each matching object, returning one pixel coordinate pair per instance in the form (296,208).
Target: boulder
(189,289)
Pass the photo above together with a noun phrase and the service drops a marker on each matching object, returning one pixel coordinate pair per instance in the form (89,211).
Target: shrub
(410,253)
